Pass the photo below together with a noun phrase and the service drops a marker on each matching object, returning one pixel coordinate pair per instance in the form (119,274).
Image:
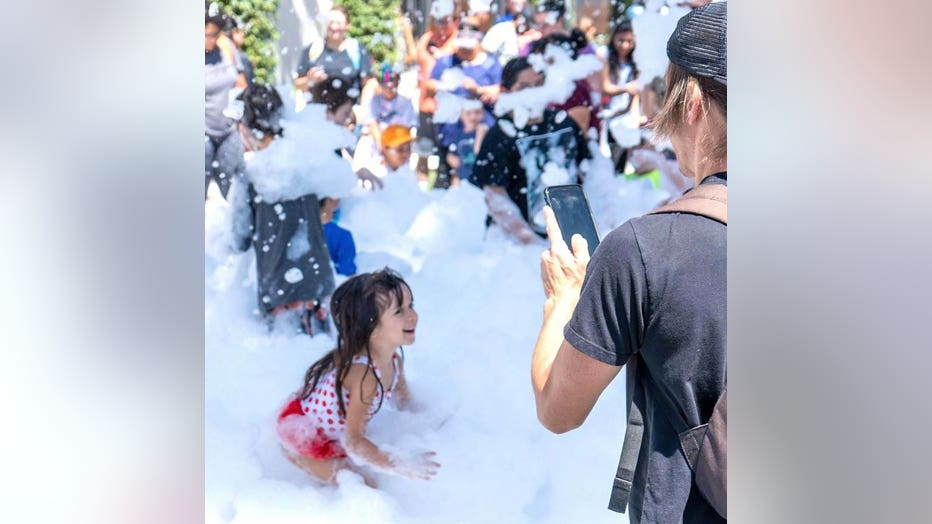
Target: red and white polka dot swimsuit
(313,427)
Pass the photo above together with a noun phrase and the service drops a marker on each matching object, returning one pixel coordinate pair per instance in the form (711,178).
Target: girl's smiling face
(397,323)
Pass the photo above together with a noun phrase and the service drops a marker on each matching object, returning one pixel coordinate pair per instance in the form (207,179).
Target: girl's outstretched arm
(364,391)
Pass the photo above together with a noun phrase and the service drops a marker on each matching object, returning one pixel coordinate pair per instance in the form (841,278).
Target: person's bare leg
(365,477)
(326,470)
(323,470)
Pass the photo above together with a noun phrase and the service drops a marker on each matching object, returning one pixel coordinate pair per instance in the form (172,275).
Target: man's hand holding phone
(562,271)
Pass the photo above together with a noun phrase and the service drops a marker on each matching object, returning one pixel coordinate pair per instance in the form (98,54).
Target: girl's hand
(420,466)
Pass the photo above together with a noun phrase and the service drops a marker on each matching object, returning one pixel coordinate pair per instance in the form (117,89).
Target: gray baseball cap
(699,44)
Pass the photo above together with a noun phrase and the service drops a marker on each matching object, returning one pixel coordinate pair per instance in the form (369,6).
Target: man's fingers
(553,231)
(580,248)
(546,264)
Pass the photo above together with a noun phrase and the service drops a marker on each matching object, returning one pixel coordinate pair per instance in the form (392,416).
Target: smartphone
(571,207)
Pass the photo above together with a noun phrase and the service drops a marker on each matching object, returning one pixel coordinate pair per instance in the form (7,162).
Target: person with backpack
(652,299)
(337,56)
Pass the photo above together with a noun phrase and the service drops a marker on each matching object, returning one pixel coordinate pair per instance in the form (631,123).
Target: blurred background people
(223,150)
(513,158)
(512,9)
(237,35)
(336,56)
(439,40)
(618,83)
(480,14)
(462,140)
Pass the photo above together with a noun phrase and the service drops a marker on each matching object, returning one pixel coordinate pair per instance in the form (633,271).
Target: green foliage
(372,22)
(258,18)
(618,11)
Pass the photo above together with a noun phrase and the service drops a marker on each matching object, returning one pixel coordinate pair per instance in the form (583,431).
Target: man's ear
(693,102)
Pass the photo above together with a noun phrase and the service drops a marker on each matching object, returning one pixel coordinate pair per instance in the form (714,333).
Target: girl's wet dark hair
(262,109)
(511,71)
(614,61)
(356,307)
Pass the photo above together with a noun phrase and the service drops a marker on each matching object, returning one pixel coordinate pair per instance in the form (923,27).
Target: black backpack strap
(634,433)
(689,443)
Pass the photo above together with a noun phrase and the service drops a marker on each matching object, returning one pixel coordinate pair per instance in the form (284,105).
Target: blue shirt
(461,144)
(488,73)
(342,248)
(398,110)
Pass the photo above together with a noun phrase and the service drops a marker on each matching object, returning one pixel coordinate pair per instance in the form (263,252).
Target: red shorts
(301,437)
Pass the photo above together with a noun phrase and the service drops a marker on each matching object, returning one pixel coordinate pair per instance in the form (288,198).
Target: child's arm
(612,89)
(401,396)
(453,160)
(363,388)
(481,131)
(506,214)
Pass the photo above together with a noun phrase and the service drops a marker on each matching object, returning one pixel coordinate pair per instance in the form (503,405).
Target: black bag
(705,446)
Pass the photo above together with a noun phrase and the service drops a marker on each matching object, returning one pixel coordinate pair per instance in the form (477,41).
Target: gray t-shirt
(657,286)
(219,78)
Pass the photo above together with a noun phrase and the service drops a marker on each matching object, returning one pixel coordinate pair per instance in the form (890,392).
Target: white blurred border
(102,273)
(829,259)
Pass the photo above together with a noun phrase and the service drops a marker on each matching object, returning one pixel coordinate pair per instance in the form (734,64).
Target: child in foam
(322,428)
(388,107)
(396,149)
(463,139)
(340,241)
(374,217)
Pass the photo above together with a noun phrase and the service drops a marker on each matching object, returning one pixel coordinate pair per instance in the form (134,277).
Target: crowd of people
(448,133)
(509,103)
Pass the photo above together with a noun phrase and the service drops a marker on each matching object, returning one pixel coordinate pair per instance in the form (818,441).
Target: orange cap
(396,135)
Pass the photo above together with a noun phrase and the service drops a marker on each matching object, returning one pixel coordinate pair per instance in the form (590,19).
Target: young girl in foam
(322,428)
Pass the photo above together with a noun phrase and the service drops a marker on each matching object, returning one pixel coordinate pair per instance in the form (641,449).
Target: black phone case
(567,235)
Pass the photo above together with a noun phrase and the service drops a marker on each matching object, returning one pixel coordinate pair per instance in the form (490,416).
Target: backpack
(705,446)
